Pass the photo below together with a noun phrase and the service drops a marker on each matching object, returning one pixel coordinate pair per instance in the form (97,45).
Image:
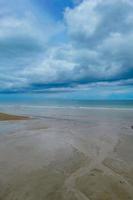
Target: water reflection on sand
(67,154)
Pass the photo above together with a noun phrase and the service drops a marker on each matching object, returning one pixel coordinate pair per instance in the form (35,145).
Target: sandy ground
(7,117)
(68,156)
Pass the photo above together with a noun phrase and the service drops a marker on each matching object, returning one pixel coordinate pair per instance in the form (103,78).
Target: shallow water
(62,154)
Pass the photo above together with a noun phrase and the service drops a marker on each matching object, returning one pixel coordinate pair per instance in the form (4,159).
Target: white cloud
(82,20)
(99,47)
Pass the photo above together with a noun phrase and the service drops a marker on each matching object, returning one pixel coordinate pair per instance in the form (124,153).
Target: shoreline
(73,107)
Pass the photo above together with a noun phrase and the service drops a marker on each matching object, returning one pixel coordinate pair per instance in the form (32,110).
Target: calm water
(41,100)
(37,100)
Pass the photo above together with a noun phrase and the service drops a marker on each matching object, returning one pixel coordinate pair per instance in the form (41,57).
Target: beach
(7,117)
(66,154)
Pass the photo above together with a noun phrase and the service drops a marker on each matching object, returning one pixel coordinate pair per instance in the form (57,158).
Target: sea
(37,100)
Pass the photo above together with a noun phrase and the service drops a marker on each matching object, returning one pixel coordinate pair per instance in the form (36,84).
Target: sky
(71,48)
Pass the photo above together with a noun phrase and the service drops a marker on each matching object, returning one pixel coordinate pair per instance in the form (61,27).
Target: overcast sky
(78,47)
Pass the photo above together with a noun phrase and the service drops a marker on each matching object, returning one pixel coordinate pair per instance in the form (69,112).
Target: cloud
(106,29)
(97,47)
(25,33)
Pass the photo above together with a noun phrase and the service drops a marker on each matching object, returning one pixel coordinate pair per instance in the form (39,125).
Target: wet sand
(7,117)
(81,155)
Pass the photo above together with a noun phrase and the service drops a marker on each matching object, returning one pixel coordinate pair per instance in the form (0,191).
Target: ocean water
(42,101)
(37,100)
